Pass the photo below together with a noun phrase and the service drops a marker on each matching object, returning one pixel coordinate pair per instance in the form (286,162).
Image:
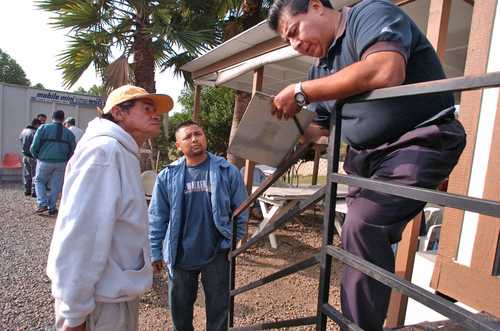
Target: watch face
(300,99)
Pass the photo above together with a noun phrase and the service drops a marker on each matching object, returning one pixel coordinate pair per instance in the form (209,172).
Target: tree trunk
(144,73)
(251,13)
(240,105)
(144,63)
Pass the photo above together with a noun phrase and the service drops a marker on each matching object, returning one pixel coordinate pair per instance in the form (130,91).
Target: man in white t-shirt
(70,124)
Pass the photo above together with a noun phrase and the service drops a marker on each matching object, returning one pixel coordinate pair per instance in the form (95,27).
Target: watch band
(300,96)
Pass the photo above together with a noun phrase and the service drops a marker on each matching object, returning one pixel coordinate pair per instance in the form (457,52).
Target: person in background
(70,124)
(190,227)
(52,147)
(42,118)
(29,162)
(99,255)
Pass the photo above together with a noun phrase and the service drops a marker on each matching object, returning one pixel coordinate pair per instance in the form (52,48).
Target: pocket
(118,282)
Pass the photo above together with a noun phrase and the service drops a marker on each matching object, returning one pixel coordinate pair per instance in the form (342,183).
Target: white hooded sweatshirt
(100,247)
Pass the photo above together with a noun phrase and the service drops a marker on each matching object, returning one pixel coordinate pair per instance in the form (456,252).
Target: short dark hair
(58,115)
(71,121)
(185,124)
(41,115)
(295,7)
(35,122)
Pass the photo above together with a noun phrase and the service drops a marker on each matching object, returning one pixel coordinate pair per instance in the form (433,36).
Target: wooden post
(437,25)
(405,259)
(258,77)
(197,103)
(437,31)
(317,154)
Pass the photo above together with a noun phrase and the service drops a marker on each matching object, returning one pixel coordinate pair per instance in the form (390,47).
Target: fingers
(275,111)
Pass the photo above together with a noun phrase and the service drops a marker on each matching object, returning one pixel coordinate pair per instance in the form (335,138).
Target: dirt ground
(26,303)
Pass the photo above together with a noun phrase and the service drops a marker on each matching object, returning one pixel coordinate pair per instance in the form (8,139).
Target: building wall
(20,104)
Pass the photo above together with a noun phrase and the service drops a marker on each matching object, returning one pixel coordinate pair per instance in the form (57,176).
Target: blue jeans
(52,174)
(183,288)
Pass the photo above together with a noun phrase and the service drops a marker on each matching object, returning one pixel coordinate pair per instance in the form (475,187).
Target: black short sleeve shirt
(373,26)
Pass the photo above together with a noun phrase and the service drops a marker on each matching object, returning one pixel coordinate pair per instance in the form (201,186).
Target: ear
(317,6)
(117,113)
(177,145)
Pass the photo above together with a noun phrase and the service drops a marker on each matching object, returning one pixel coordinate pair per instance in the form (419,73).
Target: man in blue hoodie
(52,146)
(191,207)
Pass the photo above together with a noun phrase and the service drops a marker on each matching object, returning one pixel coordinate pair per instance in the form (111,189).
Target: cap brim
(163,103)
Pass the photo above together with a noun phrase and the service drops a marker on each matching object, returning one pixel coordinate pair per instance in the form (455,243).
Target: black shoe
(53,211)
(27,193)
(33,195)
(41,209)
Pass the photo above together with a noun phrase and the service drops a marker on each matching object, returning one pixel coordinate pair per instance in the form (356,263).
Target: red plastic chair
(11,161)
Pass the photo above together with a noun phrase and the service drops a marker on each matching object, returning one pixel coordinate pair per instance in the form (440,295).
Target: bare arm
(378,70)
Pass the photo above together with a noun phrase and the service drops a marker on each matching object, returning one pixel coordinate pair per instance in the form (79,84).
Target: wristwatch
(300,96)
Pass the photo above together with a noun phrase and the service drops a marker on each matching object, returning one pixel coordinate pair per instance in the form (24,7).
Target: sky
(28,38)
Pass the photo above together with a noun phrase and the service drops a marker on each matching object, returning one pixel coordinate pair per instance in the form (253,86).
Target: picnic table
(276,201)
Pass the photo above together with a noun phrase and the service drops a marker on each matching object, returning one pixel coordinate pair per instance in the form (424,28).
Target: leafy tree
(216,114)
(99,90)
(11,72)
(153,34)
(96,90)
(39,85)
(80,90)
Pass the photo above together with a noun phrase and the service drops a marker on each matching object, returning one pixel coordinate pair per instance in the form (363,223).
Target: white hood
(101,127)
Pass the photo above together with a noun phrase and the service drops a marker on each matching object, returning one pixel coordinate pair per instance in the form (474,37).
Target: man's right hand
(158,266)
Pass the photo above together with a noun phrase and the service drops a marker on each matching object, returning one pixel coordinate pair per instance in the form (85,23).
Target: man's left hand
(284,103)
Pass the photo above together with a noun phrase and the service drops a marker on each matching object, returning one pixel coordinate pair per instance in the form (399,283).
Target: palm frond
(175,62)
(75,15)
(83,50)
(230,8)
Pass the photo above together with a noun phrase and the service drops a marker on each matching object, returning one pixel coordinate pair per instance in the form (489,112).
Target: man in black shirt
(411,140)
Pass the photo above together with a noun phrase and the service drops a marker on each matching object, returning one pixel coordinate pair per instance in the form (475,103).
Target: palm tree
(151,34)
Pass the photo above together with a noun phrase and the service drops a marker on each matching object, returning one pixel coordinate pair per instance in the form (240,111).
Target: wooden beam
(402,2)
(437,25)
(258,79)
(259,49)
(405,259)
(197,103)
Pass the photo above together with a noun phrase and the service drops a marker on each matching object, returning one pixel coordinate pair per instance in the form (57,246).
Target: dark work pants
(422,157)
(29,169)
(183,288)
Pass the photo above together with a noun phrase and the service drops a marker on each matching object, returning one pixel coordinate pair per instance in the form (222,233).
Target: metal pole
(328,220)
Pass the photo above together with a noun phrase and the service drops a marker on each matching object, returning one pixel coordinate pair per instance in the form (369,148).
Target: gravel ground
(26,303)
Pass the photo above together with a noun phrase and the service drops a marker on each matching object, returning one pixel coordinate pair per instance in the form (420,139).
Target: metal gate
(329,193)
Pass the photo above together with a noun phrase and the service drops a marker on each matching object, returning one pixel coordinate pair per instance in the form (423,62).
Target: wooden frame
(437,31)
(472,285)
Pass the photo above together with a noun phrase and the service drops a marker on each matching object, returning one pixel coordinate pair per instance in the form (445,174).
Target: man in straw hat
(99,256)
